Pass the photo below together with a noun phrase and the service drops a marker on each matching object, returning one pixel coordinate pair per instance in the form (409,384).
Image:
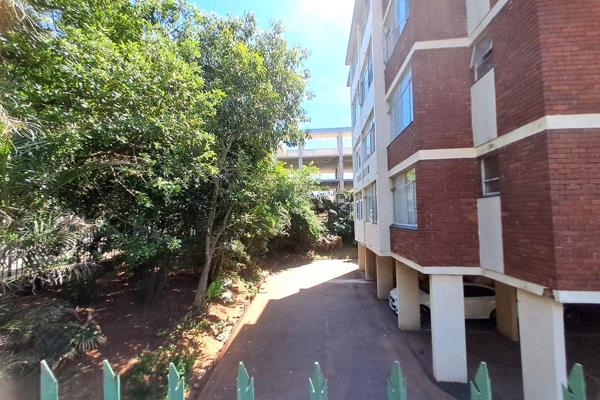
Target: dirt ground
(132,328)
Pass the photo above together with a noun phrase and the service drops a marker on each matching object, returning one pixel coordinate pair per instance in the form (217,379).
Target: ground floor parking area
(502,355)
(325,311)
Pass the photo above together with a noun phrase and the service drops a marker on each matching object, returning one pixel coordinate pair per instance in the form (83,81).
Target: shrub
(37,328)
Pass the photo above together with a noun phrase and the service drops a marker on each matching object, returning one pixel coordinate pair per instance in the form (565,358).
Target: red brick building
(476,134)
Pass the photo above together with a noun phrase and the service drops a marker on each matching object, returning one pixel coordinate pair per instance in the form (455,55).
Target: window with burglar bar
(490,174)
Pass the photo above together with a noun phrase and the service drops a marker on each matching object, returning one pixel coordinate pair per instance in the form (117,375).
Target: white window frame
(487,180)
(404,195)
(369,139)
(357,159)
(369,69)
(482,57)
(401,19)
(398,109)
(394,26)
(358,204)
(354,113)
(371,203)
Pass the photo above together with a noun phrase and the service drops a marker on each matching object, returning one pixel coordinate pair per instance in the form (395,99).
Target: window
(358,207)
(354,113)
(402,13)
(369,139)
(369,70)
(405,199)
(371,200)
(481,59)
(490,172)
(357,160)
(393,30)
(402,105)
(361,94)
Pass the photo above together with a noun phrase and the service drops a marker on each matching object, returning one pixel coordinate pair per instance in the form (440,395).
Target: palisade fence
(481,386)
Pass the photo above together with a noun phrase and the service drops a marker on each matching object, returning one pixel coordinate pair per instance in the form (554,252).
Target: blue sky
(322,27)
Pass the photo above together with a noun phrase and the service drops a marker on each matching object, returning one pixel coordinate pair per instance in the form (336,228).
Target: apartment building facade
(476,142)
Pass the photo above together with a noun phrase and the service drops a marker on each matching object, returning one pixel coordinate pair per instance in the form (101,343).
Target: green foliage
(158,121)
(340,221)
(182,347)
(216,289)
(285,211)
(47,329)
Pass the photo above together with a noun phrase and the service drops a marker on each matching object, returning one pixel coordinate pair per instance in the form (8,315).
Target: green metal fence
(480,386)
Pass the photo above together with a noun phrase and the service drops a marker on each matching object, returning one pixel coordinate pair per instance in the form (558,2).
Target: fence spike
(317,384)
(575,389)
(396,384)
(176,384)
(48,383)
(481,388)
(111,382)
(244,384)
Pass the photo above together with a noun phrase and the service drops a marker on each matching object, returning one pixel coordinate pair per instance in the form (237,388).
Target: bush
(340,221)
(37,328)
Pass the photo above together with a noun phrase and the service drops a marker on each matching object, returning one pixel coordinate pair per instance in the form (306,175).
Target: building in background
(476,142)
(330,150)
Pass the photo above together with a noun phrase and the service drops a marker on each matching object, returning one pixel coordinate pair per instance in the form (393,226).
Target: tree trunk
(202,287)
(208,253)
(210,240)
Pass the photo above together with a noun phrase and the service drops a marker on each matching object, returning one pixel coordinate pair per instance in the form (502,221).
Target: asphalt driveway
(322,311)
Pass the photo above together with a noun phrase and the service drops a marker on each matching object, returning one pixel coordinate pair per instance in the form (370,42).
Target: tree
(117,91)
(263,90)
(157,120)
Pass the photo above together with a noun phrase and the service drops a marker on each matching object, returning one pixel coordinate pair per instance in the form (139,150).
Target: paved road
(325,312)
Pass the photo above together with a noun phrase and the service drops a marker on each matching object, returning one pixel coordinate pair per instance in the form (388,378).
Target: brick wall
(574,167)
(551,209)
(546,57)
(429,20)
(441,105)
(570,45)
(446,216)
(527,211)
(517,65)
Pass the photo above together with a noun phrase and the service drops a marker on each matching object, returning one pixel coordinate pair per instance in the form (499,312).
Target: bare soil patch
(132,328)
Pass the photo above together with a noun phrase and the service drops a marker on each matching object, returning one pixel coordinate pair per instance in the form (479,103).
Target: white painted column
(449,344)
(507,321)
(340,147)
(543,355)
(300,153)
(385,276)
(407,283)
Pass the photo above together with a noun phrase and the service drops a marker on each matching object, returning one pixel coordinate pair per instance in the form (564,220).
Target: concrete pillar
(340,147)
(300,153)
(362,256)
(370,266)
(449,344)
(507,321)
(543,355)
(385,276)
(407,283)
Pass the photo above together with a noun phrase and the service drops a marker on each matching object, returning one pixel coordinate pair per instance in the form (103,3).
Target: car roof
(483,285)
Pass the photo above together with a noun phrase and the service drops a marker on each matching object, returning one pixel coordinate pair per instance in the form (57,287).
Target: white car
(480,302)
